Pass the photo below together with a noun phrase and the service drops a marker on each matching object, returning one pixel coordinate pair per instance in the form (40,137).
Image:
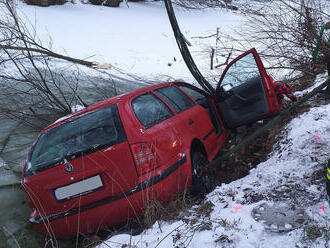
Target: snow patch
(77,108)
(320,79)
(293,175)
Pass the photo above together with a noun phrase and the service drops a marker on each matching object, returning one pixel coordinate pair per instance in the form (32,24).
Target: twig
(212,57)
(169,234)
(204,37)
(14,238)
(227,60)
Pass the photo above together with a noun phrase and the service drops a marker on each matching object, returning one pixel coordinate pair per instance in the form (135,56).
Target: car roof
(107,102)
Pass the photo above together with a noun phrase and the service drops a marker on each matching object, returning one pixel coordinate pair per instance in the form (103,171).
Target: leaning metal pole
(182,44)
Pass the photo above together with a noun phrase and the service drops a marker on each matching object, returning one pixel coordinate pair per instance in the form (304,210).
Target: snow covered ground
(292,177)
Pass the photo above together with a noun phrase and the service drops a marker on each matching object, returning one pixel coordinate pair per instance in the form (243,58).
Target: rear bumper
(110,210)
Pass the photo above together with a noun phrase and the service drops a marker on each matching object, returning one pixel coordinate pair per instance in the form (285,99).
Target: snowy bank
(136,39)
(293,176)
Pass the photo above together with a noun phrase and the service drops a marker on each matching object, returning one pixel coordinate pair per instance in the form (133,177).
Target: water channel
(15,139)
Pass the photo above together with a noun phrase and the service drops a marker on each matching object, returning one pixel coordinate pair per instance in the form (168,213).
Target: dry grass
(157,210)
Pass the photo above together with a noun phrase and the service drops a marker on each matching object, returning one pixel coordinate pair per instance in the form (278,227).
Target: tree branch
(48,53)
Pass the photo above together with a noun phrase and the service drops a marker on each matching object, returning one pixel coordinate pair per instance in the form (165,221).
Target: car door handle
(190,122)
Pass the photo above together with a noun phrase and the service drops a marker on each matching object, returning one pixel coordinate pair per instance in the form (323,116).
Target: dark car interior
(244,103)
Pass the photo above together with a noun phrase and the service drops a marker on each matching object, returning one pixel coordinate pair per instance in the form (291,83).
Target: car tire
(202,181)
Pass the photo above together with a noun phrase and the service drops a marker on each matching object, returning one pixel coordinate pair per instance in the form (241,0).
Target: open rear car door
(245,93)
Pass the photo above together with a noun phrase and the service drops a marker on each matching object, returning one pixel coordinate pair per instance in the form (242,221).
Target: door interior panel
(240,95)
(244,103)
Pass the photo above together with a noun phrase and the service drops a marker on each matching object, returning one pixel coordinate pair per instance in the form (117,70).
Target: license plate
(78,188)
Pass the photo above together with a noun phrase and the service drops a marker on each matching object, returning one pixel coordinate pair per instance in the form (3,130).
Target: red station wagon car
(102,165)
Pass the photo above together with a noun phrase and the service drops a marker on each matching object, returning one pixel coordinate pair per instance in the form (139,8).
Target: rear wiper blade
(53,162)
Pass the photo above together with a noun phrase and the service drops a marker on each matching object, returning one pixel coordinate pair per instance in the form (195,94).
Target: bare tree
(285,33)
(34,88)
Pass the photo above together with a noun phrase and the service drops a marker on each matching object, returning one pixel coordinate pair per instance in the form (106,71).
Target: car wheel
(202,181)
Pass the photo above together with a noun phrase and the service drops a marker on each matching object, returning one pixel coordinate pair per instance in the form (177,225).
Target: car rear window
(88,133)
(175,98)
(150,110)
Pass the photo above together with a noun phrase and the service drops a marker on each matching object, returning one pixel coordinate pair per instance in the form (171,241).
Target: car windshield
(87,133)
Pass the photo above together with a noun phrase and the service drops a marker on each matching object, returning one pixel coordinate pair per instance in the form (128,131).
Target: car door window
(175,98)
(197,96)
(150,110)
(241,71)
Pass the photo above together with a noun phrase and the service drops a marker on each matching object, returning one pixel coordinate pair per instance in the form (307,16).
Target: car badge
(69,167)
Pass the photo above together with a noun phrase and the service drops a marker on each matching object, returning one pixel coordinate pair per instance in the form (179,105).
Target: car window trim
(158,97)
(169,100)
(173,85)
(191,87)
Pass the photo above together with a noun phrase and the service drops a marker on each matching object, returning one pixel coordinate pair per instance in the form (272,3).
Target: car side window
(150,110)
(196,95)
(175,98)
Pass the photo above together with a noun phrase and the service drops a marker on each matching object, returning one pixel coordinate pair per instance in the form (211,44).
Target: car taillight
(144,158)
